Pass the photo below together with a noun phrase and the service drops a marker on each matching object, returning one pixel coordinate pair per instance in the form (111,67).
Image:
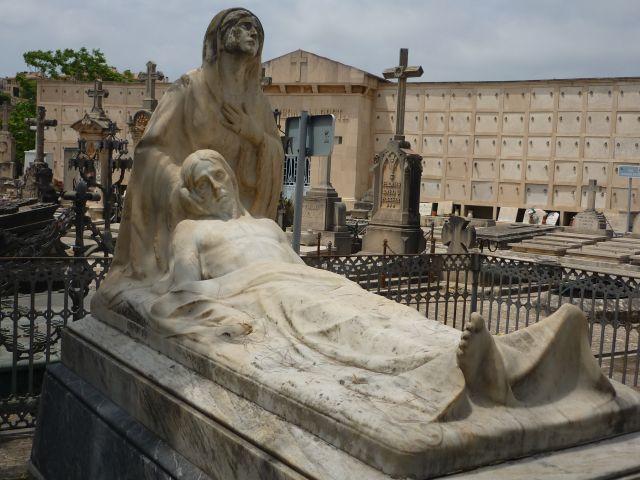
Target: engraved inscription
(391,194)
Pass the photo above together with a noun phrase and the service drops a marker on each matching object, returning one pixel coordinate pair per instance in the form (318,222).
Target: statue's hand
(190,203)
(240,122)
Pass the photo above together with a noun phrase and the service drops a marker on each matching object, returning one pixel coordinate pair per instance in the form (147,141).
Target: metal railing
(40,296)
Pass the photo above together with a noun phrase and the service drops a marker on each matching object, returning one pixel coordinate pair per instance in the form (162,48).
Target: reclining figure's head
(209,186)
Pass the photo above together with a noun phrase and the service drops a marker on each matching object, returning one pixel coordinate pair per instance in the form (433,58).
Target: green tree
(24,108)
(25,138)
(81,65)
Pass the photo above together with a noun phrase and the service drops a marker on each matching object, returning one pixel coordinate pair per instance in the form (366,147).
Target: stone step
(545,249)
(618,257)
(616,247)
(585,236)
(635,241)
(561,241)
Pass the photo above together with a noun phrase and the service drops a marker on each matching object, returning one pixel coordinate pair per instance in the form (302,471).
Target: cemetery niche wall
(215,352)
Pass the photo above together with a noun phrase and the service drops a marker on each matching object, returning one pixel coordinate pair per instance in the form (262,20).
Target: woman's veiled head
(235,30)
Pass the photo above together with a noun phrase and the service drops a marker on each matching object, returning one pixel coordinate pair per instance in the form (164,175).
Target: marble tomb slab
(227,436)
(365,428)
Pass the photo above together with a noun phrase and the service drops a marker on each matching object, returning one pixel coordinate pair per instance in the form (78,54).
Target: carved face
(214,187)
(243,37)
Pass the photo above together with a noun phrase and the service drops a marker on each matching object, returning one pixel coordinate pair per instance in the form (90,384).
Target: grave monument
(215,352)
(397,173)
(7,148)
(324,212)
(39,176)
(590,220)
(138,121)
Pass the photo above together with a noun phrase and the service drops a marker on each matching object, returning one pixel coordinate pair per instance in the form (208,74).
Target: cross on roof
(402,72)
(40,122)
(264,80)
(97,93)
(150,76)
(298,61)
(591,190)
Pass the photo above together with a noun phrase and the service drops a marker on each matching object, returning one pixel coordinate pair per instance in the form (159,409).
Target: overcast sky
(454,40)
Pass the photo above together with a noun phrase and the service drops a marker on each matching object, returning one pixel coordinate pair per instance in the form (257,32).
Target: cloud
(454,40)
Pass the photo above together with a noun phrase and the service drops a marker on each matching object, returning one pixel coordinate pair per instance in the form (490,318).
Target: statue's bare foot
(482,365)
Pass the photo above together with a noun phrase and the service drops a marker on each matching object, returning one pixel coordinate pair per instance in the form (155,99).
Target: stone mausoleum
(485,145)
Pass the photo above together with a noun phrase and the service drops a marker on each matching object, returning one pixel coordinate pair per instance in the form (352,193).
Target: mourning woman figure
(219,106)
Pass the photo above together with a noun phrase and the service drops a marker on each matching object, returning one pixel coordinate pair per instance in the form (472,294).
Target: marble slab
(433,447)
(599,254)
(227,436)
(533,247)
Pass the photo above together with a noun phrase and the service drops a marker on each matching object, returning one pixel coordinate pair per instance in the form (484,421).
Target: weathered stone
(397,173)
(458,235)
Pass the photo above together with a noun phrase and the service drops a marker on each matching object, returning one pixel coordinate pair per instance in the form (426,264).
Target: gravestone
(397,174)
(138,121)
(362,208)
(445,207)
(590,220)
(93,129)
(323,212)
(458,235)
(508,214)
(7,148)
(39,175)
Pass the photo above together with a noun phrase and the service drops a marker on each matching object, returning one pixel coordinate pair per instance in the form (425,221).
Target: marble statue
(219,106)
(205,276)
(320,347)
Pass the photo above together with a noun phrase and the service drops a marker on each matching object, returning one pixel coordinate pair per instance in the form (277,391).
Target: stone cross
(298,62)
(264,80)
(5,116)
(150,76)
(97,93)
(458,236)
(40,122)
(591,190)
(402,72)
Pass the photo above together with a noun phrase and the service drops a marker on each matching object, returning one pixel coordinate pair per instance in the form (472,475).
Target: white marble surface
(230,437)
(218,431)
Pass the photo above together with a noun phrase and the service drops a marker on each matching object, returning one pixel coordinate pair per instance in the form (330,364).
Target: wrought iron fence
(510,294)
(38,297)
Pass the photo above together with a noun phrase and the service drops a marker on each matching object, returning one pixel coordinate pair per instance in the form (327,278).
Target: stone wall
(67,102)
(520,144)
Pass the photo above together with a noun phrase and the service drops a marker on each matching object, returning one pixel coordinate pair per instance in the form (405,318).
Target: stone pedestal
(323,212)
(396,214)
(116,408)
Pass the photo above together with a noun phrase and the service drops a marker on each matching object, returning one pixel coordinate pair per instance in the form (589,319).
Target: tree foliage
(25,138)
(81,65)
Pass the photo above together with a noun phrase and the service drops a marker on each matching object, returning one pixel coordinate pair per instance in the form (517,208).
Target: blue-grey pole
(629,223)
(300,171)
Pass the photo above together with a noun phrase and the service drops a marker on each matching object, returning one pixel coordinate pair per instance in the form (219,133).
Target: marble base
(400,239)
(82,434)
(128,405)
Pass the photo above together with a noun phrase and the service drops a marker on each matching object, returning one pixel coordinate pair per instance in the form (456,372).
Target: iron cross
(151,76)
(40,122)
(402,72)
(97,93)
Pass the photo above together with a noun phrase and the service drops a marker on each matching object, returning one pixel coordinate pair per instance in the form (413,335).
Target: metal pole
(300,170)
(629,225)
